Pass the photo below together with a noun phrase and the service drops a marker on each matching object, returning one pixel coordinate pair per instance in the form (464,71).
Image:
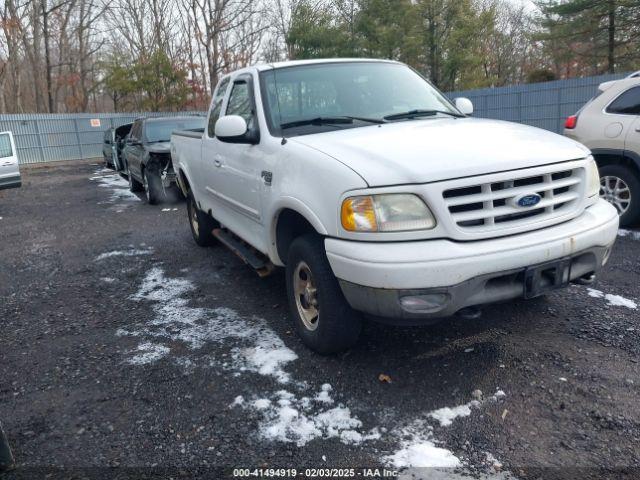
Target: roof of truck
(294,63)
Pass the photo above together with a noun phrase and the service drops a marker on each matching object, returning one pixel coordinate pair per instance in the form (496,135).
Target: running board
(247,254)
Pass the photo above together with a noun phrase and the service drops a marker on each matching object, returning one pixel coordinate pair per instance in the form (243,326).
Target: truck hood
(435,149)
(160,147)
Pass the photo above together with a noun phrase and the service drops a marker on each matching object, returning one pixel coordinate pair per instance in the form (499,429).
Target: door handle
(637,129)
(217,163)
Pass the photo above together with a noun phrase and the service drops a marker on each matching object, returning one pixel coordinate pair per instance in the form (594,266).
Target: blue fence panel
(544,105)
(57,137)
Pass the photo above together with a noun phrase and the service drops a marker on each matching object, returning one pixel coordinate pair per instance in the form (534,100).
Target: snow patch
(418,449)
(447,415)
(149,353)
(629,233)
(134,252)
(260,349)
(119,187)
(289,419)
(108,279)
(613,300)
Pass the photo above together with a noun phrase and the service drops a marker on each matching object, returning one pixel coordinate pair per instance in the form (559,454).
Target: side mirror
(464,105)
(233,129)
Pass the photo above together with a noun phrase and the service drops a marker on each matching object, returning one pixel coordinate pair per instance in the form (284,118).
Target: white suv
(9,168)
(609,124)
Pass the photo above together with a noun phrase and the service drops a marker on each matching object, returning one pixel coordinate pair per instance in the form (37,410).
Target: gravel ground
(129,352)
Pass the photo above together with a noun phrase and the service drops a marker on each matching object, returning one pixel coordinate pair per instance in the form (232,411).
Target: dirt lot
(125,345)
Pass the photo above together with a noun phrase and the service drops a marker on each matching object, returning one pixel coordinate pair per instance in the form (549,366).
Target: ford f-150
(381,196)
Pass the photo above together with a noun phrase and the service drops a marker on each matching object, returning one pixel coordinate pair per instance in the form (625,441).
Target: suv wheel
(620,186)
(201,223)
(323,318)
(152,184)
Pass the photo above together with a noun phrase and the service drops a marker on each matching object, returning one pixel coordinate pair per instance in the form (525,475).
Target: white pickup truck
(380,196)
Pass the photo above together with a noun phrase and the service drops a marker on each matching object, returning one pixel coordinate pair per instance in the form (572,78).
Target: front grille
(493,205)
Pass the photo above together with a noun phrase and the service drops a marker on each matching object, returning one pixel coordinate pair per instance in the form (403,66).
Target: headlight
(394,212)
(593,179)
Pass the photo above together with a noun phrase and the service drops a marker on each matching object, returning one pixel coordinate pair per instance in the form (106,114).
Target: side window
(216,106)
(5,146)
(240,102)
(628,103)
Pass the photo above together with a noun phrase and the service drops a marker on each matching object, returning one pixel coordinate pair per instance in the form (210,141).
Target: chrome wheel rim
(304,289)
(616,191)
(194,218)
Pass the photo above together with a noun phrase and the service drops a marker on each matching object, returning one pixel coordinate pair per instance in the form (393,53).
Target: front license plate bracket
(539,279)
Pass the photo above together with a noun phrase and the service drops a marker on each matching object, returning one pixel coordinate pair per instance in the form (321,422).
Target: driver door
(236,183)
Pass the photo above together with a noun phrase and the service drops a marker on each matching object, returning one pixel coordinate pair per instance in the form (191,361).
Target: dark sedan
(148,157)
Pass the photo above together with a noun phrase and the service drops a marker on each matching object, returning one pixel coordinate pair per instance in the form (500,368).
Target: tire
(201,223)
(152,184)
(134,185)
(626,180)
(337,326)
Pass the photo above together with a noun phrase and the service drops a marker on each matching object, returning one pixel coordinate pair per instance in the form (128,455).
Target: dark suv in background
(147,154)
(112,146)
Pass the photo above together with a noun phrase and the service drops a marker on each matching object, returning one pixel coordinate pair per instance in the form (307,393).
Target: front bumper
(375,276)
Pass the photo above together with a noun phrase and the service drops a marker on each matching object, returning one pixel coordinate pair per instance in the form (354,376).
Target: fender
(634,157)
(298,206)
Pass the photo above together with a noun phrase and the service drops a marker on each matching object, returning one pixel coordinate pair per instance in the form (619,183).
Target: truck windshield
(160,131)
(369,90)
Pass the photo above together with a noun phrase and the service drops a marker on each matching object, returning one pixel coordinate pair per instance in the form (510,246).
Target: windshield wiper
(341,120)
(420,113)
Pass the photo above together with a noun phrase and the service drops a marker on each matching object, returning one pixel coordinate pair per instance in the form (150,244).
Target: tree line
(131,55)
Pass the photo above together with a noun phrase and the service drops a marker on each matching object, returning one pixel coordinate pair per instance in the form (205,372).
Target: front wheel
(620,186)
(323,318)
(152,184)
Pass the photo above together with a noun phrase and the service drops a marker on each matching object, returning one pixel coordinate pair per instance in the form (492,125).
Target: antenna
(275,83)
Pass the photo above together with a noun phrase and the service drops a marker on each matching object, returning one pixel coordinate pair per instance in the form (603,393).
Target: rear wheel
(152,184)
(323,318)
(202,224)
(620,186)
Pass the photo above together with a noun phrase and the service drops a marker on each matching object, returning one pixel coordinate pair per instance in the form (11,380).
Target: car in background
(9,168)
(147,154)
(609,125)
(112,146)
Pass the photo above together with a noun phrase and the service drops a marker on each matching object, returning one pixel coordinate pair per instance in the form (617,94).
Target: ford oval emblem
(528,200)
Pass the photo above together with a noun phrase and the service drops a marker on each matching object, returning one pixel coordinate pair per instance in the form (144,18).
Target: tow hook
(469,313)
(587,279)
